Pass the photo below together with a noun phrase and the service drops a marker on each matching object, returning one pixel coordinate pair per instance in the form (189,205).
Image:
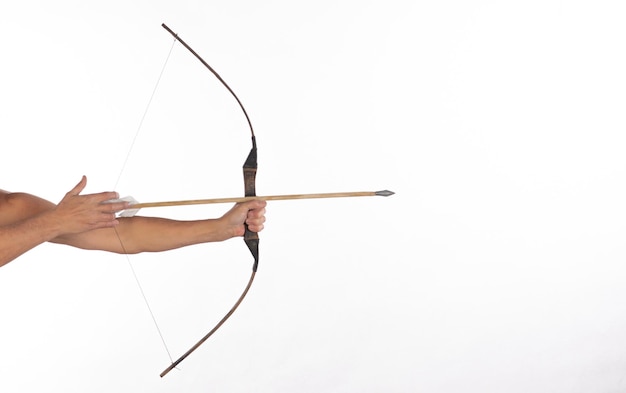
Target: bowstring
(145,113)
(119,177)
(143,295)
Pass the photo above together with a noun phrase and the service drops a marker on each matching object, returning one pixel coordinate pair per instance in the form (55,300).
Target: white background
(497,267)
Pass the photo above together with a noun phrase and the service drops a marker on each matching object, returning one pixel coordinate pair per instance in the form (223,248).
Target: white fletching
(128,212)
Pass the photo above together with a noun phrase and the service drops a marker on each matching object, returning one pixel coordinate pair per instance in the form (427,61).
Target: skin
(84,221)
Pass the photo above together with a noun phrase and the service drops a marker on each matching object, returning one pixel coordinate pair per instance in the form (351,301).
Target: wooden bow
(250,238)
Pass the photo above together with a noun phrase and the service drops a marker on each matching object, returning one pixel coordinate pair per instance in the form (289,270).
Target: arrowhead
(384,193)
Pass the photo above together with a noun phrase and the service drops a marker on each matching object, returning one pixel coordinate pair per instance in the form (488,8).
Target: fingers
(251,213)
(105,221)
(101,216)
(108,210)
(255,204)
(110,200)
(78,213)
(105,216)
(79,187)
(100,197)
(113,207)
(256,215)
(255,225)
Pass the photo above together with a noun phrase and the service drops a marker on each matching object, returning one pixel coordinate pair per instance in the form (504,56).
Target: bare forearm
(148,234)
(18,238)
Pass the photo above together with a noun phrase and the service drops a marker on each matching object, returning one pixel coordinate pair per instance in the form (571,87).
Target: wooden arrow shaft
(263,198)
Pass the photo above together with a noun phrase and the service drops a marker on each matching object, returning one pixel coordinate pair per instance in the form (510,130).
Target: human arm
(83,221)
(27,221)
(152,234)
(16,239)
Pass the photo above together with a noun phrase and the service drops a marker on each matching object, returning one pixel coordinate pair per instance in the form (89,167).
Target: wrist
(224,230)
(49,225)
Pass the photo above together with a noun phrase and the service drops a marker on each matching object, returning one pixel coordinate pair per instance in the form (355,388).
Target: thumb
(79,187)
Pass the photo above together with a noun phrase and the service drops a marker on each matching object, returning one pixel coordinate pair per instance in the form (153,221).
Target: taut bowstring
(119,177)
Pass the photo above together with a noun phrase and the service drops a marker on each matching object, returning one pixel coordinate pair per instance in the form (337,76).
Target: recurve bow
(250,238)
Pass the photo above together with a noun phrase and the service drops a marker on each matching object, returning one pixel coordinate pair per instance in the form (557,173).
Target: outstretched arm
(84,221)
(151,234)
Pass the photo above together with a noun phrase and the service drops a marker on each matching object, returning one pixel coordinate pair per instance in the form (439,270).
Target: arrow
(135,206)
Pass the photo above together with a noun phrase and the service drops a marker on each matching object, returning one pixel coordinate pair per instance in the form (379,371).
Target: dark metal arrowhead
(384,193)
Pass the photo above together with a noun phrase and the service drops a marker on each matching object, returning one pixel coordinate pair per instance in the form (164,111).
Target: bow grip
(249,179)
